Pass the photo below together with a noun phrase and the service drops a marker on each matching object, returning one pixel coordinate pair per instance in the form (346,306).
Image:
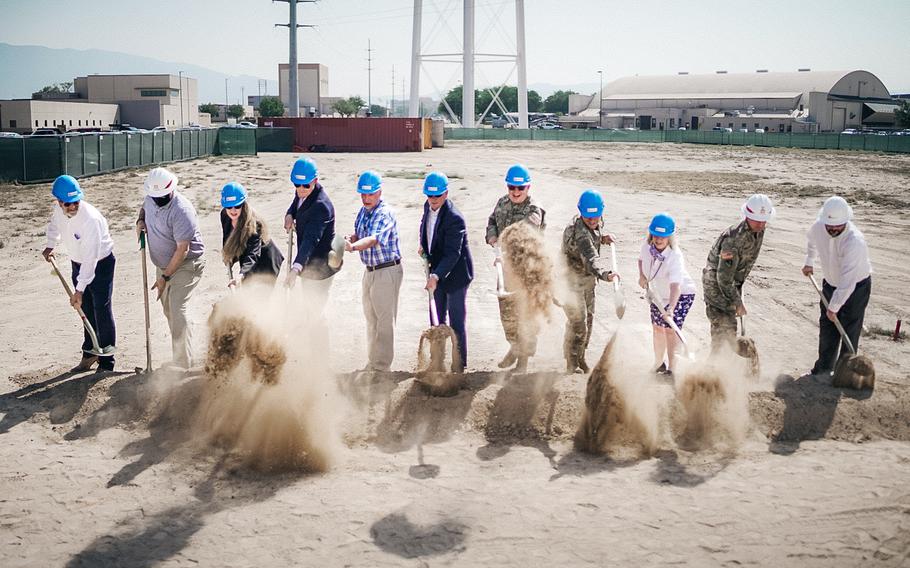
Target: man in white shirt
(841,250)
(88,241)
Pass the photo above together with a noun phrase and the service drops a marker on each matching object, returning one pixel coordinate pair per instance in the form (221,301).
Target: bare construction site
(277,451)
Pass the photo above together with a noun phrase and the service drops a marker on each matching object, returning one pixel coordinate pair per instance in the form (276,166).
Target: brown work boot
(508,360)
(522,365)
(86,364)
(583,365)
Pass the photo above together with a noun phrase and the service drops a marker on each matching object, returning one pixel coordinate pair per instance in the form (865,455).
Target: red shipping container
(352,134)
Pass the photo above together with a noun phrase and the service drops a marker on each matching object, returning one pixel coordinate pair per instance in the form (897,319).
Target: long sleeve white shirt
(670,270)
(85,236)
(844,259)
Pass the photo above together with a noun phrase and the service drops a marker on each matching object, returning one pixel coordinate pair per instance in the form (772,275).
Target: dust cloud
(268,394)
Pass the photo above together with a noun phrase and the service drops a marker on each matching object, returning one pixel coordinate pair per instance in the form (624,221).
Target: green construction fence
(43,158)
(866,142)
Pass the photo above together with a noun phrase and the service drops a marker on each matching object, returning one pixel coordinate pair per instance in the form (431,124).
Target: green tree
(236,111)
(379,110)
(558,102)
(65,87)
(349,106)
(271,106)
(210,108)
(902,114)
(508,96)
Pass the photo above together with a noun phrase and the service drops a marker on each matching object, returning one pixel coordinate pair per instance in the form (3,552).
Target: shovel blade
(854,372)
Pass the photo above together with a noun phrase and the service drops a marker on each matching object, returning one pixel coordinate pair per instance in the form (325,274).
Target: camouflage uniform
(581,247)
(729,263)
(522,339)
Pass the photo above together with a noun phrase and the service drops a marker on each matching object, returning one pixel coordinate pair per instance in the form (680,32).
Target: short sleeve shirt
(167,225)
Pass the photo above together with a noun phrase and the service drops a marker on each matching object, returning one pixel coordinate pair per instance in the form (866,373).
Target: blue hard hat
(67,189)
(591,204)
(369,182)
(436,183)
(232,195)
(518,175)
(304,171)
(662,225)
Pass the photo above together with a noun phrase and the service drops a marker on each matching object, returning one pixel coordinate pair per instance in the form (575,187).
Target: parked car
(550,126)
(759,130)
(722,129)
(743,130)
(10,135)
(158,129)
(851,131)
(246,124)
(682,128)
(45,132)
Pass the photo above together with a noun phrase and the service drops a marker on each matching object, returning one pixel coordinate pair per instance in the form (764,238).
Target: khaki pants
(176,295)
(723,327)
(315,297)
(380,306)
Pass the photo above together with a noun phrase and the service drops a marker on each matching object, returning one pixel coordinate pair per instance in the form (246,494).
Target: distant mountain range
(24,69)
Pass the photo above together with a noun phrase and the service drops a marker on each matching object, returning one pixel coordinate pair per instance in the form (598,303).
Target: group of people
(169,222)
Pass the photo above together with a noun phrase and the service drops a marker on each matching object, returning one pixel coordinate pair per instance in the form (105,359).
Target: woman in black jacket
(245,238)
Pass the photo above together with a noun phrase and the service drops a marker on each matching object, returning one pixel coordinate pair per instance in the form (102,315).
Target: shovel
(853,371)
(745,348)
(96,349)
(230,271)
(432,375)
(658,303)
(618,298)
(500,278)
(145,298)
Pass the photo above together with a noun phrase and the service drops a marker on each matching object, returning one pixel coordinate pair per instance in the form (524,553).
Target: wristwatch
(165,277)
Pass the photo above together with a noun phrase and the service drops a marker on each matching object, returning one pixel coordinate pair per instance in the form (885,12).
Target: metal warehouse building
(802,101)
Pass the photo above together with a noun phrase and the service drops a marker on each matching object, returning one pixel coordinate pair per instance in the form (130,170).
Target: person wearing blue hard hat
(84,232)
(375,238)
(662,265)
(443,241)
(312,215)
(176,249)
(516,206)
(581,242)
(245,237)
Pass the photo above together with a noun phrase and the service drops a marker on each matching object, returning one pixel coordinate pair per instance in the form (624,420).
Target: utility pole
(225,99)
(293,87)
(369,79)
(600,102)
(242,95)
(180,79)
(392,104)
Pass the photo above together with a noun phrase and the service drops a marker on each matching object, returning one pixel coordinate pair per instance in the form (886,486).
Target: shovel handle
(840,328)
(434,317)
(290,248)
(85,322)
(613,266)
(742,327)
(145,300)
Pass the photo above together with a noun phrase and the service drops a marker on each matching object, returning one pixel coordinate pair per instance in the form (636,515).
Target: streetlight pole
(600,101)
(180,80)
(225,99)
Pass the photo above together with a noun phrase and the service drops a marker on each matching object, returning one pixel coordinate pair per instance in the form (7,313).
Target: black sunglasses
(304,185)
(517,187)
(70,204)
(235,206)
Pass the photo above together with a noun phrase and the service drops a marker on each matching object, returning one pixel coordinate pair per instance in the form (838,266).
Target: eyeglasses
(517,187)
(68,205)
(304,185)
(235,206)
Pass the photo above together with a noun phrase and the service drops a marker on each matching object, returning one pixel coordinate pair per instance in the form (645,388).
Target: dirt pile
(616,411)
(268,398)
(528,268)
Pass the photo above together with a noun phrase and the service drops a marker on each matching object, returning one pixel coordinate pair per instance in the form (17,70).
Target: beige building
(26,115)
(801,101)
(312,87)
(143,101)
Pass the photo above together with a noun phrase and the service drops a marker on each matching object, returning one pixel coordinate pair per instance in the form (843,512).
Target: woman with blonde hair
(245,237)
(662,265)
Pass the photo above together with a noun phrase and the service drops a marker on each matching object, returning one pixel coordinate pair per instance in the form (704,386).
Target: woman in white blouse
(661,263)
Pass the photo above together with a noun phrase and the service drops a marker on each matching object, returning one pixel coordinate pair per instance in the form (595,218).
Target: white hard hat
(758,208)
(160,182)
(835,211)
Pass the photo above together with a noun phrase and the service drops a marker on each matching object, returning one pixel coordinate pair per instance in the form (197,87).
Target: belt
(383,265)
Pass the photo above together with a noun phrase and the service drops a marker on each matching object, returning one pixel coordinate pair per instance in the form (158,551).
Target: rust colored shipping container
(353,134)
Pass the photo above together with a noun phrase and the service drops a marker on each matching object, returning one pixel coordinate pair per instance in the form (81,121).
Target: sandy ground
(109,470)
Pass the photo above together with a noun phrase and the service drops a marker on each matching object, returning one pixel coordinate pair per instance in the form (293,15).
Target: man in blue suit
(444,243)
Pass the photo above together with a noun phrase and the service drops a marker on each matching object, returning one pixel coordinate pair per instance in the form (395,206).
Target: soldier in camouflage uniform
(581,243)
(511,208)
(729,263)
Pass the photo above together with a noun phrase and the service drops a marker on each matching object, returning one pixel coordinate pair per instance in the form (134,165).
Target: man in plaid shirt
(376,239)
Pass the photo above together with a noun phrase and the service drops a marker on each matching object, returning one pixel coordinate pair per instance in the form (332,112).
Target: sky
(567,41)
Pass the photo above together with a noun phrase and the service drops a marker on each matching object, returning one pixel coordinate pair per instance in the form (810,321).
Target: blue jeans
(96,303)
(450,307)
